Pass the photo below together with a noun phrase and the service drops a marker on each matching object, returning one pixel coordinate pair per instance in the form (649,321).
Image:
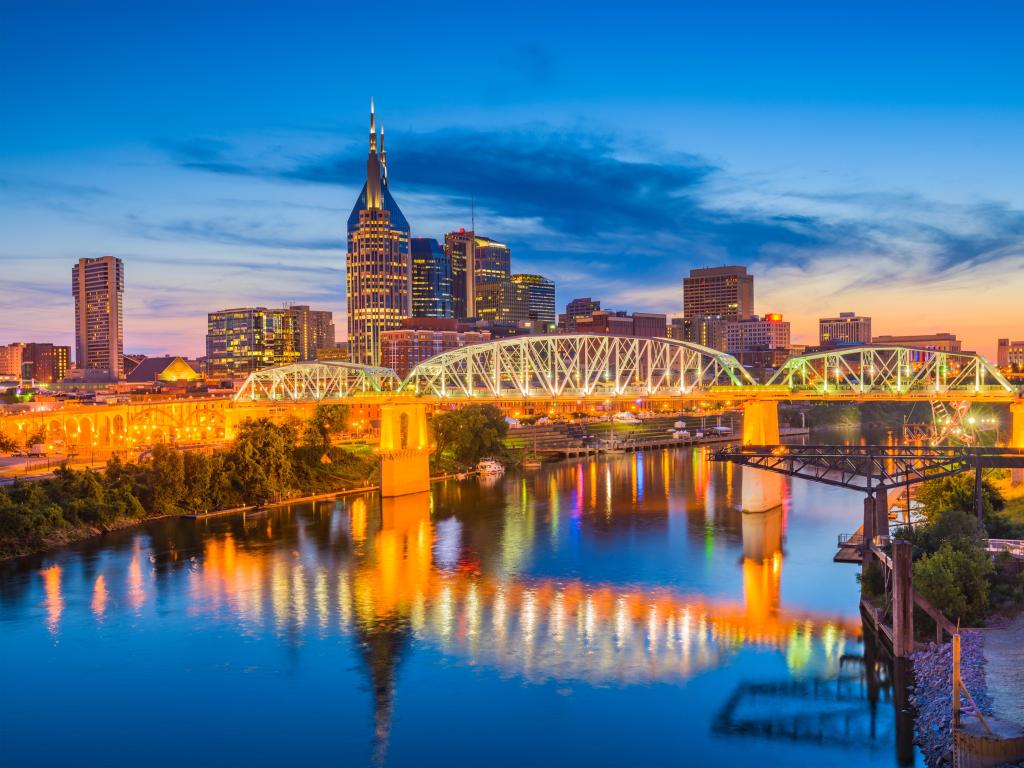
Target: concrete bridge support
(760,490)
(761,423)
(404,449)
(1017,438)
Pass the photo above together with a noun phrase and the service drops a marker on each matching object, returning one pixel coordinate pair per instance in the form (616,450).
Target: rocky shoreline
(932,695)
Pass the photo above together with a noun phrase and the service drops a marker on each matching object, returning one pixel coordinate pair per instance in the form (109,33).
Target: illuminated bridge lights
(319,380)
(577,365)
(890,370)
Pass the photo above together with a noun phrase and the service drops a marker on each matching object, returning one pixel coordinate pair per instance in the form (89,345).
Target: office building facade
(575,309)
(246,339)
(539,298)
(940,342)
(848,329)
(759,342)
(719,292)
(98,289)
(1010,354)
(431,279)
(378,268)
(420,339)
(314,329)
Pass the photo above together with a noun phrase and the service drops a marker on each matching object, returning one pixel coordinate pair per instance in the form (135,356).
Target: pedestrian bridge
(589,366)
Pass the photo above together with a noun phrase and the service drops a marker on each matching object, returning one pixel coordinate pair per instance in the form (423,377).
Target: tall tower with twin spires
(378,267)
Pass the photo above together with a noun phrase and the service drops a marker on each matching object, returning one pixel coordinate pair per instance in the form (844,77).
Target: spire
(373,128)
(383,157)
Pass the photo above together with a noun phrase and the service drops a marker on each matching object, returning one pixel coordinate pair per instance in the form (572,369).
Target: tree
(38,437)
(7,443)
(165,480)
(470,433)
(957,492)
(327,420)
(259,463)
(956,581)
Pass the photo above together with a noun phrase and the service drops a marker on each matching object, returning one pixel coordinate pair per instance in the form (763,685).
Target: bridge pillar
(881,503)
(761,423)
(1017,438)
(404,449)
(761,490)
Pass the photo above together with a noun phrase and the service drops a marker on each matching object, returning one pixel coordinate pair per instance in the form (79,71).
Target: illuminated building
(11,357)
(98,288)
(164,370)
(378,269)
(574,309)
(759,342)
(719,291)
(246,339)
(459,247)
(314,329)
(940,342)
(646,325)
(847,329)
(538,302)
(431,279)
(1010,354)
(47,363)
(421,338)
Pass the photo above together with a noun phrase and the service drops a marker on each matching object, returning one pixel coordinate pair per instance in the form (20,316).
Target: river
(617,610)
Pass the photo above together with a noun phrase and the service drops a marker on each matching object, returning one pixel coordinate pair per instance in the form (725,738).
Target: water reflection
(640,569)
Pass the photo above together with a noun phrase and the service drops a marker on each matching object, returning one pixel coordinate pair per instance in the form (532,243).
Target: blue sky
(858,156)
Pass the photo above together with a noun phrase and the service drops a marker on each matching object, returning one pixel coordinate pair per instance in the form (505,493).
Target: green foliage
(872,580)
(956,581)
(957,492)
(327,420)
(469,434)
(265,462)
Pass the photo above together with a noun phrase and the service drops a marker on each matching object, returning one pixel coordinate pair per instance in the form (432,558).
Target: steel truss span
(579,365)
(890,370)
(322,380)
(869,467)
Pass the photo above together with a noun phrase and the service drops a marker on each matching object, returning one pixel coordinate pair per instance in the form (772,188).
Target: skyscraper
(459,247)
(98,288)
(719,291)
(539,299)
(246,339)
(314,329)
(378,269)
(431,279)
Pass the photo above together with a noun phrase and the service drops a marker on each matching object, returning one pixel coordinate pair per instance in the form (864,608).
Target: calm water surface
(613,611)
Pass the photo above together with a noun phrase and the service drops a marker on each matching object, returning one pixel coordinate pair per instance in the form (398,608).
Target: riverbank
(933,693)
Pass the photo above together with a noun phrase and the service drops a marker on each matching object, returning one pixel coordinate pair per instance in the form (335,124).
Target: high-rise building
(1010,354)
(502,302)
(421,338)
(940,342)
(378,269)
(98,288)
(493,261)
(576,308)
(431,279)
(706,330)
(45,362)
(246,339)
(314,329)
(846,330)
(761,342)
(719,291)
(539,300)
(11,357)
(459,247)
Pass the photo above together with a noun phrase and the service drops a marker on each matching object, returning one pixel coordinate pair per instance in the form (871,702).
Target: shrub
(956,581)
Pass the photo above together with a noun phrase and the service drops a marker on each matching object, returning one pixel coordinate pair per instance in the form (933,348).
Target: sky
(856,156)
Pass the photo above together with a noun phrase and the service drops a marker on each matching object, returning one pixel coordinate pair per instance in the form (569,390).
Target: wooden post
(869,531)
(881,512)
(956,680)
(902,600)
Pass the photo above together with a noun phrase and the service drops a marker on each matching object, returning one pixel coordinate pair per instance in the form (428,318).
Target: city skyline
(901,201)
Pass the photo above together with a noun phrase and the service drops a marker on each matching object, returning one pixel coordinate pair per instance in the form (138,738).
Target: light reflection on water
(618,579)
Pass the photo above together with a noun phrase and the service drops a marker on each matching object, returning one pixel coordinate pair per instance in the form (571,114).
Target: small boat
(490,467)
